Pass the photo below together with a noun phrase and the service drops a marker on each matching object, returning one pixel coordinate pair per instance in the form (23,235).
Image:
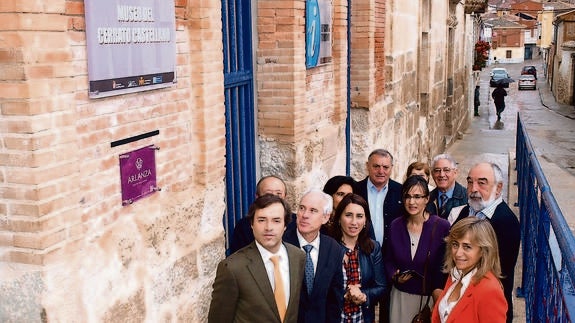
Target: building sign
(138,174)
(317,32)
(131,45)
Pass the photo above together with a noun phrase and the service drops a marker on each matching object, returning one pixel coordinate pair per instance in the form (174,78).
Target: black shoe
(476,115)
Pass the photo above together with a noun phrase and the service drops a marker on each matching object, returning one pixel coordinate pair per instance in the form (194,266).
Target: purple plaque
(138,174)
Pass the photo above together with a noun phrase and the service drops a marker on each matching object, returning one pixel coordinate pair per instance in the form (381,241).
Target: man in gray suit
(261,282)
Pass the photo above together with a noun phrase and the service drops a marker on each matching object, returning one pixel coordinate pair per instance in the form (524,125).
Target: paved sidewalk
(489,140)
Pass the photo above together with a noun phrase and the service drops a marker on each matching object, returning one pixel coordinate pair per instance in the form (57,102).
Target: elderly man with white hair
(484,185)
(324,255)
(447,193)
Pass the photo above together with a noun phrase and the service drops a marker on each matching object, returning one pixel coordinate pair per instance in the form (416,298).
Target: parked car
(529,69)
(527,81)
(498,76)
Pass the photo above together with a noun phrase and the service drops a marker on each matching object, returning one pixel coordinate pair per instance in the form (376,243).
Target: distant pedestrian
(498,96)
(476,102)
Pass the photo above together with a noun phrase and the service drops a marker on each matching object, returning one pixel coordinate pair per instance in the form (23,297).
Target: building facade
(245,104)
(562,59)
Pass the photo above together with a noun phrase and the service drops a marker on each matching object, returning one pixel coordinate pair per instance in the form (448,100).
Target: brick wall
(301,112)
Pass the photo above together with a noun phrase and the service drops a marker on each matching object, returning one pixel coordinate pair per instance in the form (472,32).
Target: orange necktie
(279,293)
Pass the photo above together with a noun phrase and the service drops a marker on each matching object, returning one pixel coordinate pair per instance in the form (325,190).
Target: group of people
(356,245)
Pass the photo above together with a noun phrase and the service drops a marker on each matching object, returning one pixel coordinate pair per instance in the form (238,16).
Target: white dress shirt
(314,253)
(284,267)
(445,306)
(375,200)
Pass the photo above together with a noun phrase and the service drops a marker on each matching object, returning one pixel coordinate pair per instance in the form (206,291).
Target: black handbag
(424,315)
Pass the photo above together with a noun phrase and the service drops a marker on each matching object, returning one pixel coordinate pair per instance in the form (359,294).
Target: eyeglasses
(414,197)
(445,170)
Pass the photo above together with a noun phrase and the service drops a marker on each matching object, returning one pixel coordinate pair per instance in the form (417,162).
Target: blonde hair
(482,234)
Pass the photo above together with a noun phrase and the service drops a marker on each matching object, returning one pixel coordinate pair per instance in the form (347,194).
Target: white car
(527,81)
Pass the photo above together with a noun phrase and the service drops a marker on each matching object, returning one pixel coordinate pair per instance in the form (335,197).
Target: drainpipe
(555,28)
(348,118)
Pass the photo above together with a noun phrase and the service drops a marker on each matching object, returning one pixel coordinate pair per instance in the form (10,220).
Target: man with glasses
(447,193)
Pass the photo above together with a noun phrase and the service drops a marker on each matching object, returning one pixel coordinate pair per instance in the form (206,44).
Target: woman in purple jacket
(415,239)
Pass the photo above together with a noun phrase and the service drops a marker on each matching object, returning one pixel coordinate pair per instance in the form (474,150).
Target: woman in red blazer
(473,292)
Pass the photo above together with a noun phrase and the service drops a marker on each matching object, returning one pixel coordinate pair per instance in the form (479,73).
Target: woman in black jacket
(363,275)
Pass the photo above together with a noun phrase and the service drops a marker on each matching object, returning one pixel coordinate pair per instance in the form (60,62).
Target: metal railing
(548,255)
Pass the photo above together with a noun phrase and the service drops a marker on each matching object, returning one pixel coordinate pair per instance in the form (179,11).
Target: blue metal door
(239,101)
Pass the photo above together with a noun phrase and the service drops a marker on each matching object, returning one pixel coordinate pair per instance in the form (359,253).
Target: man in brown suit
(261,282)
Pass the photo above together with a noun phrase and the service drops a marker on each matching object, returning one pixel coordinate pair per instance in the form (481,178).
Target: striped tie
(442,199)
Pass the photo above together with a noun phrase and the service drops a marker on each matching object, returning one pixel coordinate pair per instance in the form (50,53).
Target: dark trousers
(384,306)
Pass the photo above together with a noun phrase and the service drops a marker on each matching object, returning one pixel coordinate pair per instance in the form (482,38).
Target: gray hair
(444,156)
(497,173)
(328,206)
(381,152)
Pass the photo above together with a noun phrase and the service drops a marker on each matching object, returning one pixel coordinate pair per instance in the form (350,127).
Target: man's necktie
(279,293)
(443,198)
(309,275)
(480,215)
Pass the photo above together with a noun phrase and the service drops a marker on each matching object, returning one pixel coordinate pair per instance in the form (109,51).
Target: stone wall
(421,105)
(563,71)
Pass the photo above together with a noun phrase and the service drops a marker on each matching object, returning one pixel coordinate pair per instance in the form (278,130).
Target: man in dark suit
(484,185)
(383,195)
(447,193)
(325,254)
(243,234)
(261,282)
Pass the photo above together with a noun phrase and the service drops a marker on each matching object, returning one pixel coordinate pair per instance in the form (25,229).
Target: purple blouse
(398,254)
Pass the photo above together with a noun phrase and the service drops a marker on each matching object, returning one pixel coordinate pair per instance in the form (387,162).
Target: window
(508,54)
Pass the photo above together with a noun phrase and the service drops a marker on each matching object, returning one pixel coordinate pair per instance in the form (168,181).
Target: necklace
(414,238)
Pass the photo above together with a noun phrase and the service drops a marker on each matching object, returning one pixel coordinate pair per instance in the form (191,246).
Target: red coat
(481,302)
